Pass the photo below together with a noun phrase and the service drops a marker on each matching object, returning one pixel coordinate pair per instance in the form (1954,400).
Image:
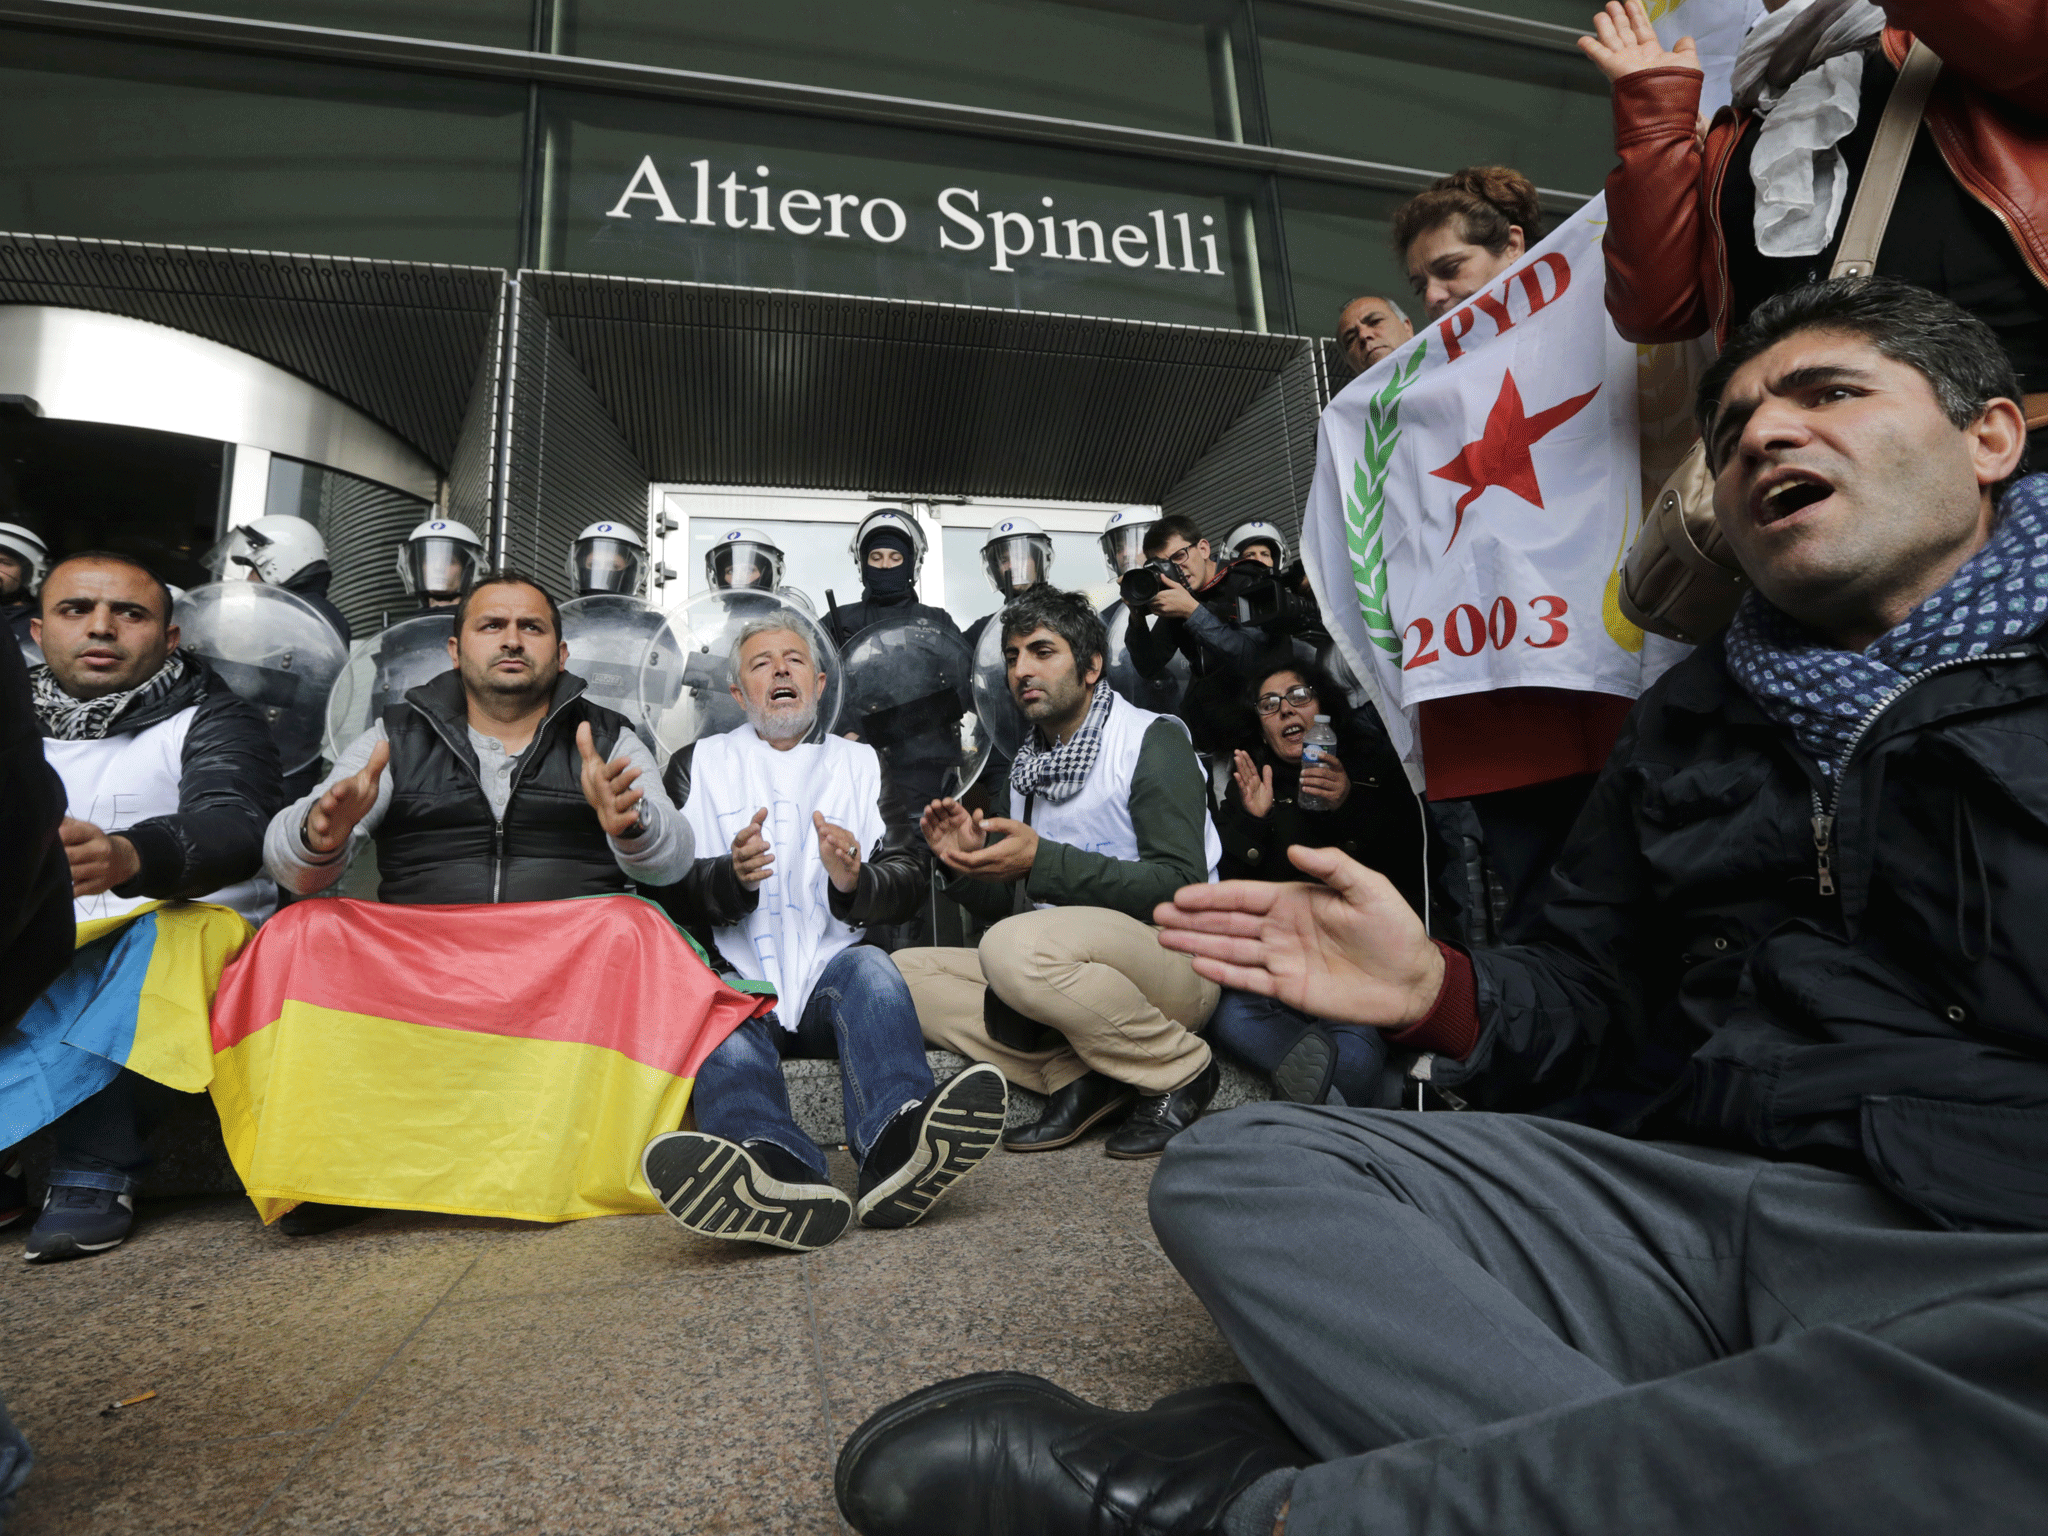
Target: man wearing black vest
(497,781)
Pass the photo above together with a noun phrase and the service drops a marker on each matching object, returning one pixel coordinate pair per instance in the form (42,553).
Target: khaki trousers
(1128,1008)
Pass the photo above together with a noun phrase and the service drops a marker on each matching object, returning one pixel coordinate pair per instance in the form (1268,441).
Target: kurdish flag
(135,995)
(507,1060)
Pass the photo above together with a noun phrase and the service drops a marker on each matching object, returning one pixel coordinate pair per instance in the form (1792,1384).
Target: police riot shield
(1002,722)
(687,674)
(910,696)
(273,648)
(1161,694)
(609,637)
(382,670)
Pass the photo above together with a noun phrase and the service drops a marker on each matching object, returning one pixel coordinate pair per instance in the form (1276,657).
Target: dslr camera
(1141,583)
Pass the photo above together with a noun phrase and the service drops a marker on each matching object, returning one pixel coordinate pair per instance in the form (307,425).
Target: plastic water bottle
(1315,742)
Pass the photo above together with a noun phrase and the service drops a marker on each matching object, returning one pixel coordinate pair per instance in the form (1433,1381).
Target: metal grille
(364,525)
(565,463)
(1261,466)
(400,341)
(740,386)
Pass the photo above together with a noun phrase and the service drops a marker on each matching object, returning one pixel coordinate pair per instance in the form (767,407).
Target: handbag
(1681,579)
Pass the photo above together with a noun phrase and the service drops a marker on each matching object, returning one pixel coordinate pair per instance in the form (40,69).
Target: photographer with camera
(1224,618)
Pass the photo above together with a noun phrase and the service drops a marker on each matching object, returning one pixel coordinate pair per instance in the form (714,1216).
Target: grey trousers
(1496,1324)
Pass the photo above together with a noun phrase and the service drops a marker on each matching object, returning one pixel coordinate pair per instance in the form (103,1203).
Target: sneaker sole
(65,1246)
(960,1129)
(714,1189)
(1303,1074)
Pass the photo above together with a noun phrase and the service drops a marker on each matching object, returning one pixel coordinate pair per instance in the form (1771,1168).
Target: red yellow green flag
(507,1060)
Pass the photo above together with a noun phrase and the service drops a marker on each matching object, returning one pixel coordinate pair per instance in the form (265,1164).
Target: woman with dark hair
(1372,815)
(1524,759)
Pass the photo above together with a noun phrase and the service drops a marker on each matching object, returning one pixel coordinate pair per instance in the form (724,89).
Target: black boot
(1070,1112)
(309,1218)
(1159,1117)
(1005,1452)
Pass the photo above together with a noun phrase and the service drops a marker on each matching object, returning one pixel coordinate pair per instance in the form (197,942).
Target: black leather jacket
(894,876)
(1693,975)
(36,925)
(229,786)
(439,843)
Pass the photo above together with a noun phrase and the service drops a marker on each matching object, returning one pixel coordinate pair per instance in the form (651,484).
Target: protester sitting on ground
(1069,992)
(1371,328)
(168,778)
(1365,808)
(497,781)
(1702,229)
(1524,759)
(1791,959)
(785,906)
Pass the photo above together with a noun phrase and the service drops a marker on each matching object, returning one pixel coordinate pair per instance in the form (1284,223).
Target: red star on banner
(1501,456)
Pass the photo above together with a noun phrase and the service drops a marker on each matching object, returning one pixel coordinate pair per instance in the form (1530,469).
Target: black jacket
(1691,976)
(15,616)
(1379,824)
(311,584)
(843,621)
(894,876)
(229,786)
(1154,640)
(439,843)
(36,927)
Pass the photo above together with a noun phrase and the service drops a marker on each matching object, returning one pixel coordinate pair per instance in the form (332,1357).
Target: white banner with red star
(1476,490)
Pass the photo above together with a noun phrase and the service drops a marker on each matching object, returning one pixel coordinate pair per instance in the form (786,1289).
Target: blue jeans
(99,1144)
(860,1011)
(1261,1030)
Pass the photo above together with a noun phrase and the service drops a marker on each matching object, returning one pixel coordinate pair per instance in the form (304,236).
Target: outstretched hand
(840,851)
(1254,784)
(950,830)
(608,786)
(751,859)
(1624,43)
(346,803)
(1350,949)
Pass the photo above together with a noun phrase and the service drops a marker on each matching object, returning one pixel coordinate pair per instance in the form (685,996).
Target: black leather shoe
(1159,1117)
(1007,1453)
(1069,1113)
(1302,1076)
(309,1218)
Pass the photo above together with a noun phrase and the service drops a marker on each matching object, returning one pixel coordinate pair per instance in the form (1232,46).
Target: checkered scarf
(69,719)
(1824,694)
(1058,773)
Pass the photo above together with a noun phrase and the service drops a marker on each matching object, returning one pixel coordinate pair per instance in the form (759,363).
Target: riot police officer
(23,559)
(607,558)
(889,548)
(743,559)
(439,561)
(1258,540)
(1016,554)
(282,551)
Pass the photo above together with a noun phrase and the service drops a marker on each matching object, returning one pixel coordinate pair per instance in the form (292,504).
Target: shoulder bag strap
(1863,230)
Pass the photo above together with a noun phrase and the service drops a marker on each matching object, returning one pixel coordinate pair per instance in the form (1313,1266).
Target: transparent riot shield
(273,648)
(686,676)
(1002,722)
(1161,694)
(382,670)
(910,696)
(609,638)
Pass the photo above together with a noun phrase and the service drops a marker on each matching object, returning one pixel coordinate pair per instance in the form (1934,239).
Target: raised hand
(950,830)
(1254,785)
(99,861)
(608,786)
(1350,950)
(1009,858)
(1328,779)
(751,860)
(346,802)
(841,852)
(1624,43)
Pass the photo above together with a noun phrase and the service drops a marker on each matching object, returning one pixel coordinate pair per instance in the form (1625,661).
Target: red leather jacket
(1667,273)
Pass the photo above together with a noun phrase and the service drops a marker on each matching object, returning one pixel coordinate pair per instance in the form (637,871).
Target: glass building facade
(1211,162)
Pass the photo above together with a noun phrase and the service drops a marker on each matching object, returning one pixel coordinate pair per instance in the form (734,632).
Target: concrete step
(191,1159)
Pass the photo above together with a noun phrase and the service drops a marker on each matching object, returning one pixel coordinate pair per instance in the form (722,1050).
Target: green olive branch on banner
(1364,504)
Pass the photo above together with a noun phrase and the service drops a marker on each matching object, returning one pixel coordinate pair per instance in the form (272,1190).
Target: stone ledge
(192,1160)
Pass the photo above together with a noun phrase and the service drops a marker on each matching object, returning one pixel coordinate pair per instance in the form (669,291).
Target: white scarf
(1801,71)
(791,935)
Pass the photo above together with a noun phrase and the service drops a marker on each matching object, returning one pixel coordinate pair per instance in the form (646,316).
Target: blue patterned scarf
(1057,773)
(1999,595)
